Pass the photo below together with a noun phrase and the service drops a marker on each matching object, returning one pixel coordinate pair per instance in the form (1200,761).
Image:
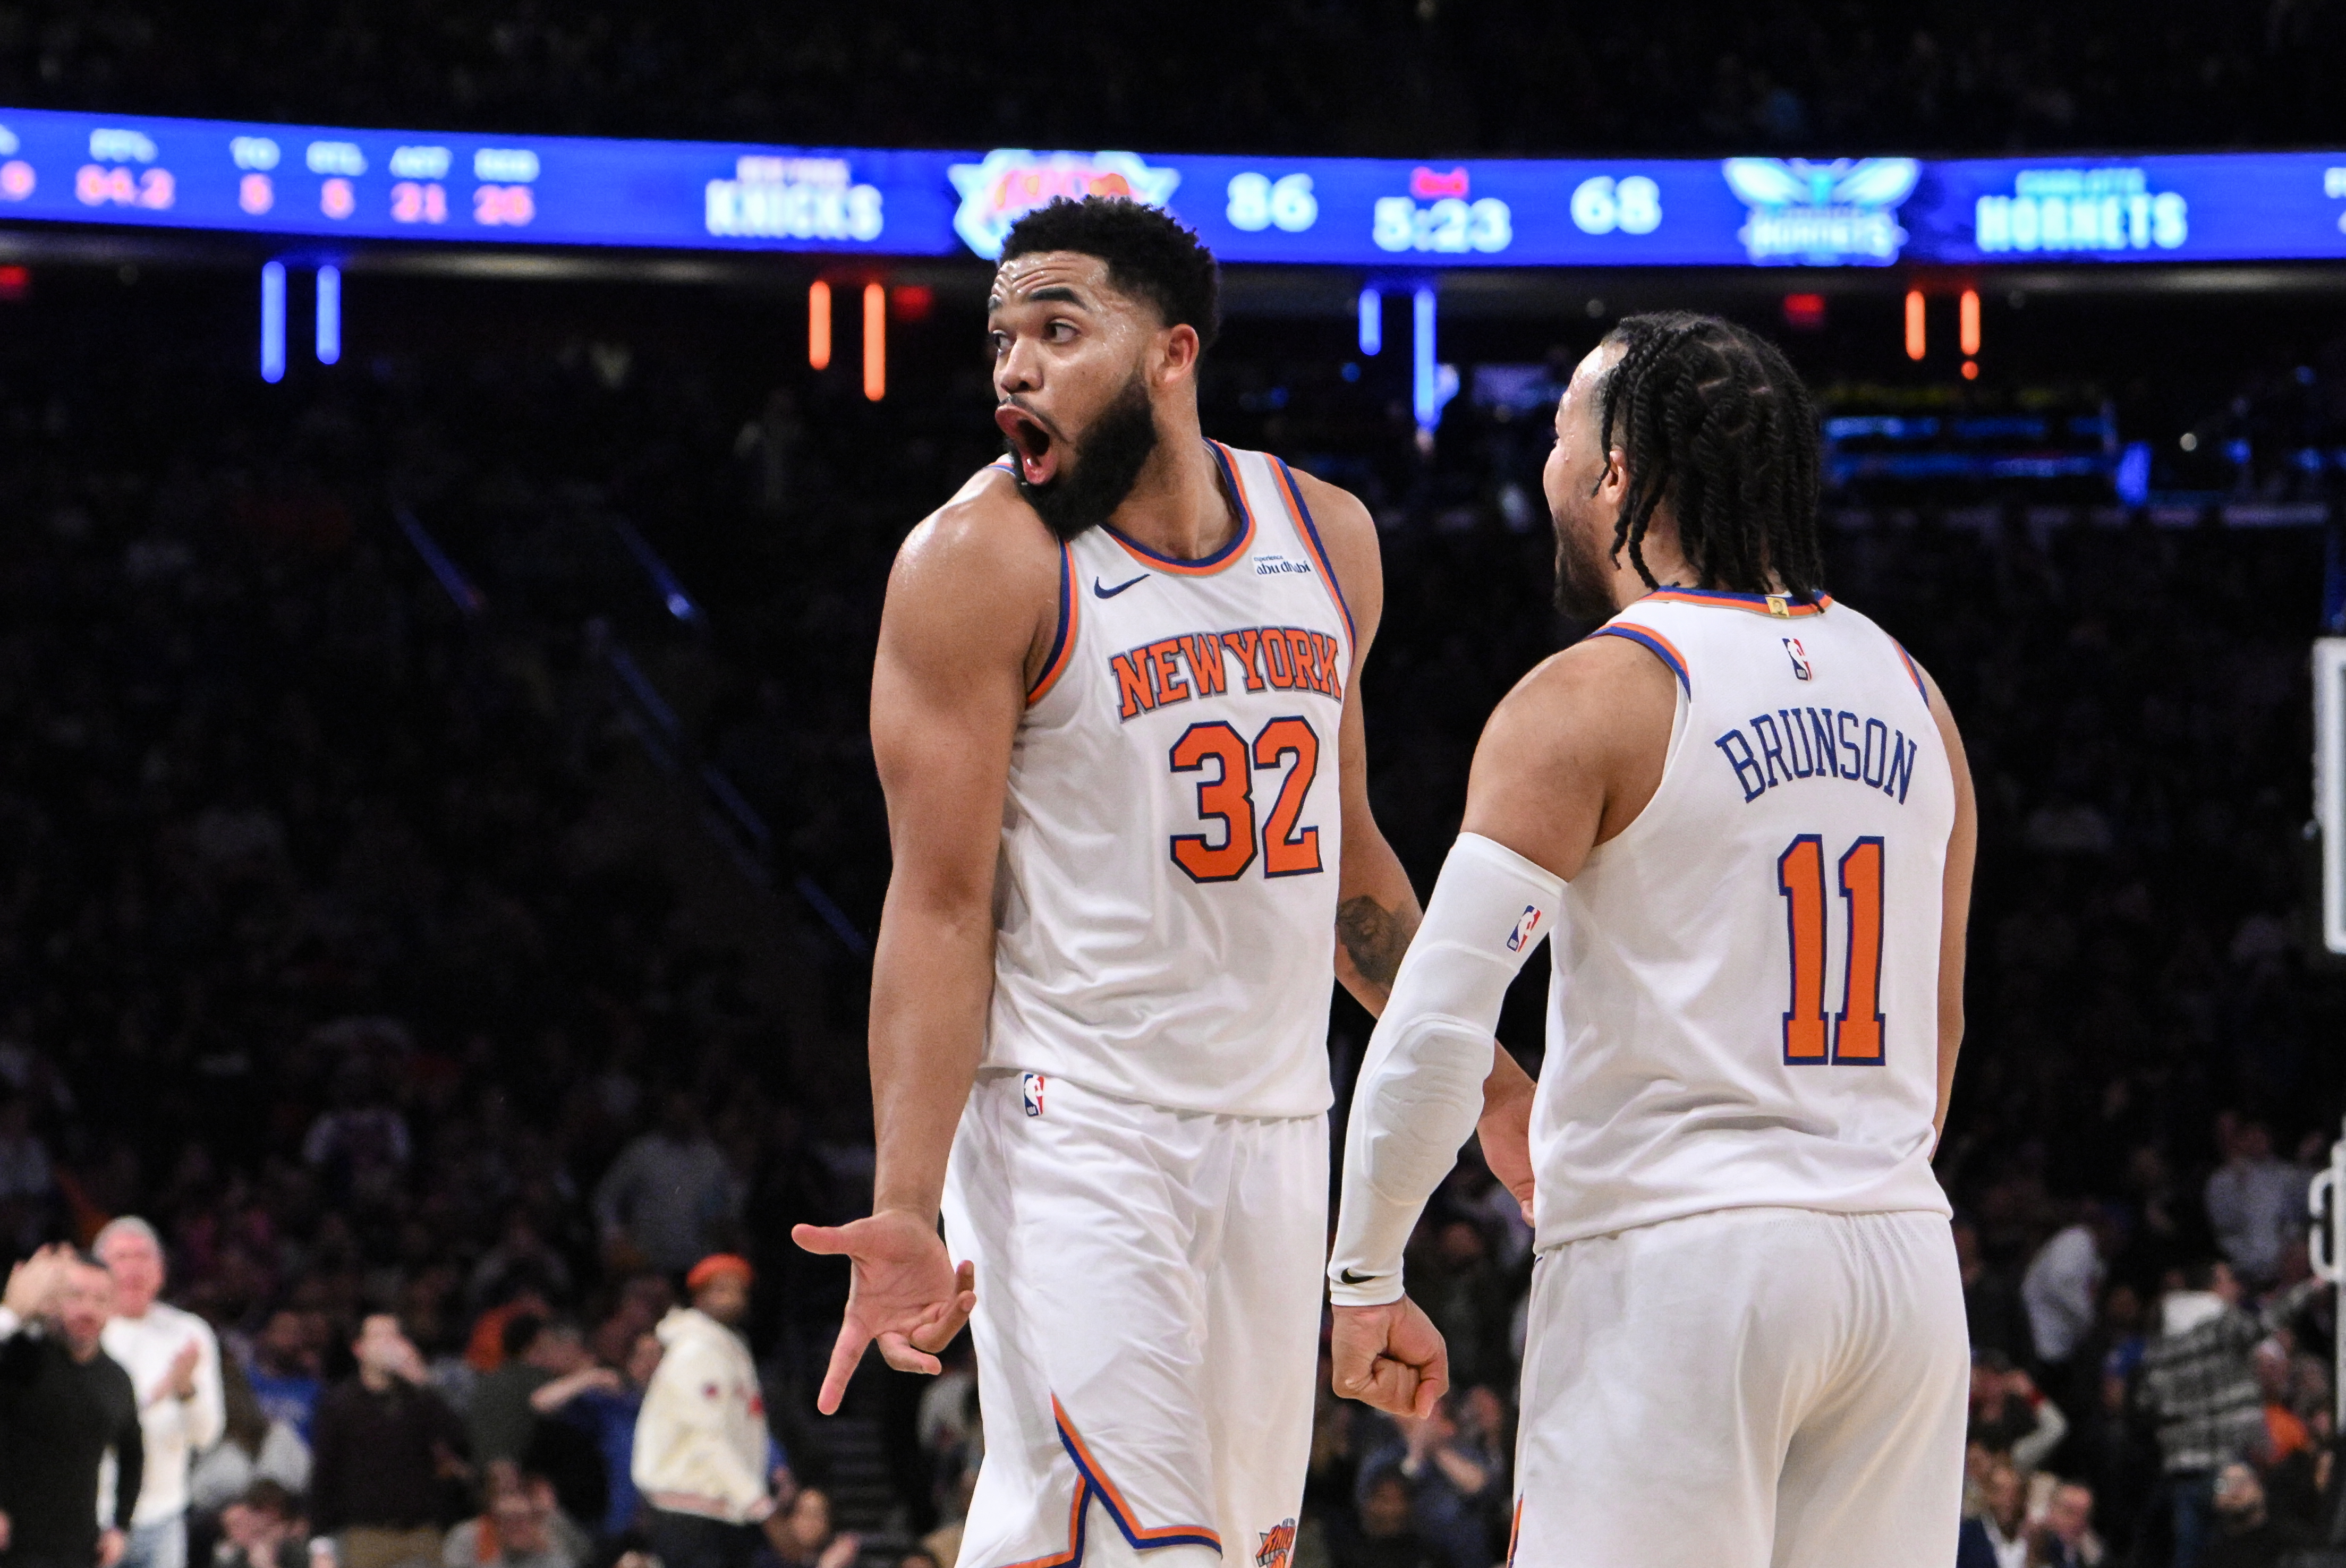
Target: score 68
(1602,204)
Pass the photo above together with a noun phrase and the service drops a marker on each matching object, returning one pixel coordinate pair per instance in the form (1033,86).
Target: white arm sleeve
(1421,1088)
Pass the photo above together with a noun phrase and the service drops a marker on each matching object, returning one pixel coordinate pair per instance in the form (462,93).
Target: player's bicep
(1571,756)
(947,690)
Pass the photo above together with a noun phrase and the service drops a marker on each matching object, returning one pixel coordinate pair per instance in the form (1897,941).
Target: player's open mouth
(1038,455)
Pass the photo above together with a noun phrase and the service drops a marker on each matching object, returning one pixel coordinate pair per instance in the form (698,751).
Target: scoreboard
(328,183)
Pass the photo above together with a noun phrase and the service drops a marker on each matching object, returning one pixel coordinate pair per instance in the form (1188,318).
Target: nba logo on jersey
(1277,1546)
(1529,922)
(1032,1084)
(1801,669)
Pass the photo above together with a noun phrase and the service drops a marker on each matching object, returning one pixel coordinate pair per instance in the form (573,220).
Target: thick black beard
(1087,490)
(1583,579)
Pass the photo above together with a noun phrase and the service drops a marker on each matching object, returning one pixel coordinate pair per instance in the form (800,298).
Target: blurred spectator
(263,1528)
(387,1446)
(254,1448)
(2247,1534)
(283,1370)
(2255,1201)
(2010,1416)
(360,1145)
(704,1459)
(519,1526)
(1386,1538)
(27,1182)
(1468,1302)
(1997,1536)
(1991,1303)
(536,1351)
(669,1197)
(805,1536)
(2200,1388)
(174,1364)
(2065,1538)
(604,1404)
(65,1405)
(1456,1469)
(2063,1283)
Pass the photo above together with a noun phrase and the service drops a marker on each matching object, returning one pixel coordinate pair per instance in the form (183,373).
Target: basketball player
(1740,815)
(1117,713)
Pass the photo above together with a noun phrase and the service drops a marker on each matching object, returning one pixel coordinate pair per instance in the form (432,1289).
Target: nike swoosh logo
(1111,593)
(1348,1278)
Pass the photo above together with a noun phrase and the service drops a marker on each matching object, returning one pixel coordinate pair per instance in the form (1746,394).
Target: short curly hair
(1148,254)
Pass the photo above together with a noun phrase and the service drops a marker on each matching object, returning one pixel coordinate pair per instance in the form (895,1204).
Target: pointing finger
(845,1353)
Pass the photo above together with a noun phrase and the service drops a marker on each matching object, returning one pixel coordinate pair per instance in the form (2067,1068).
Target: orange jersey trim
(1062,647)
(1292,494)
(1779,606)
(1652,642)
(1220,558)
(1097,1480)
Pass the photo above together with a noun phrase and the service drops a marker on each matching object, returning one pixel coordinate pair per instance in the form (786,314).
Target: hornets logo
(1278,1546)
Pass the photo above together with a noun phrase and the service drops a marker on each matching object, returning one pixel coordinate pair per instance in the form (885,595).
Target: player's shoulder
(985,540)
(1599,677)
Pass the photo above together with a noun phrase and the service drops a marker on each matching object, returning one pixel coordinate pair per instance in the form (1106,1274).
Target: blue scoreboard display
(327,183)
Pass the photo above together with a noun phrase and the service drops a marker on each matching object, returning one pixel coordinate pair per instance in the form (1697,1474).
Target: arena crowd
(354,939)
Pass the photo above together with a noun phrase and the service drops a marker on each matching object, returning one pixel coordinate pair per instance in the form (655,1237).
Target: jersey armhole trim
(1652,642)
(1292,494)
(1063,646)
(1913,673)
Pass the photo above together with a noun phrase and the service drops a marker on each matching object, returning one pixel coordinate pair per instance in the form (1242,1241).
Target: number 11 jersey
(1744,1008)
(1165,901)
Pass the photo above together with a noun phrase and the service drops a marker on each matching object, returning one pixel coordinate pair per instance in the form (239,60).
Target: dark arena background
(440,849)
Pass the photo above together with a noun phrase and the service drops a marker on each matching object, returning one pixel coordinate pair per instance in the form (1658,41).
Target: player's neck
(1179,506)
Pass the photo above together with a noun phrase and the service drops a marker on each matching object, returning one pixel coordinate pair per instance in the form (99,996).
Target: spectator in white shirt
(2255,1202)
(2059,1290)
(173,1360)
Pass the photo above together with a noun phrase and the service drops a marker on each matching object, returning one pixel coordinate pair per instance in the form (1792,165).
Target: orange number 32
(1228,798)
(1856,1031)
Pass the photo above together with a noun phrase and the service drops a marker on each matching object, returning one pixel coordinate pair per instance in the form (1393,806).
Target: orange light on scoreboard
(819,325)
(1916,342)
(876,342)
(1969,321)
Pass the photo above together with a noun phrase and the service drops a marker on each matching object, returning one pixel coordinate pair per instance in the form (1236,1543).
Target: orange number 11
(1856,1030)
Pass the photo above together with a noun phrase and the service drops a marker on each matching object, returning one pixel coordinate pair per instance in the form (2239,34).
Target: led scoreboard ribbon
(319,181)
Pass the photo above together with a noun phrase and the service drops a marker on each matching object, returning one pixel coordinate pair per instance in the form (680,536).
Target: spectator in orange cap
(704,1459)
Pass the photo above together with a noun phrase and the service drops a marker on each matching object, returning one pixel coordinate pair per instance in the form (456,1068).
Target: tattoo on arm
(1375,936)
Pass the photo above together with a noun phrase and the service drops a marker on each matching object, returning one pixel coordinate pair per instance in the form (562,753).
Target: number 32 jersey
(1165,902)
(1744,1011)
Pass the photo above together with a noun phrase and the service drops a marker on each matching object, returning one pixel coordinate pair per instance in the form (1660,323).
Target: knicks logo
(1032,1086)
(1528,923)
(1278,1546)
(1801,668)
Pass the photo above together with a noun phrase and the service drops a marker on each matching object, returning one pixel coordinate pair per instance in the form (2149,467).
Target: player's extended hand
(903,1293)
(1390,1357)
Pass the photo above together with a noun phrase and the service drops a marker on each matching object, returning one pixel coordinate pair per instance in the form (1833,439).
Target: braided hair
(1714,420)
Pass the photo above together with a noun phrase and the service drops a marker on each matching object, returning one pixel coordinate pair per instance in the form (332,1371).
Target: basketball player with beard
(1739,815)
(1116,714)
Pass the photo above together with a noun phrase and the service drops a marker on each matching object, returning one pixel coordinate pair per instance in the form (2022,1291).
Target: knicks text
(1175,669)
(1819,743)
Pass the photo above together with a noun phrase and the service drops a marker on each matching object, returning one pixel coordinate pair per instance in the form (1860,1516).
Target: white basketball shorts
(1754,1388)
(1148,1324)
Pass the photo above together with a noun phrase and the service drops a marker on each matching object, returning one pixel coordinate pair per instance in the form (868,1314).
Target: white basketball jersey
(1165,897)
(1745,1006)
